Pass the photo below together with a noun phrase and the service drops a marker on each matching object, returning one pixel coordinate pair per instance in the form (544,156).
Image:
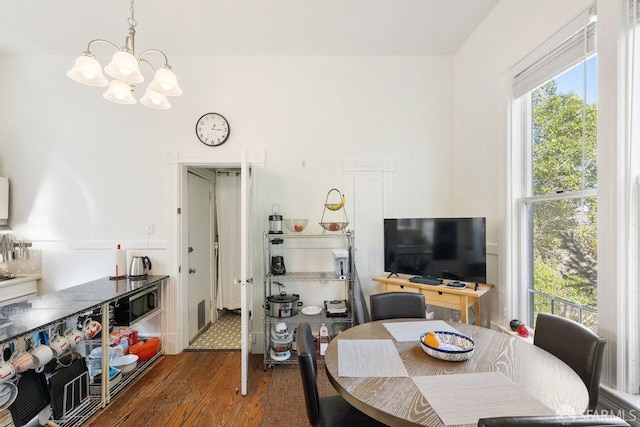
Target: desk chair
(559,420)
(394,305)
(574,344)
(326,411)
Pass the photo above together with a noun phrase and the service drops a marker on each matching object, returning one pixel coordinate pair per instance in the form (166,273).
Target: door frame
(176,318)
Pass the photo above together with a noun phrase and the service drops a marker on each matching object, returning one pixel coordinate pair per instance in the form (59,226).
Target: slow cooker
(283,305)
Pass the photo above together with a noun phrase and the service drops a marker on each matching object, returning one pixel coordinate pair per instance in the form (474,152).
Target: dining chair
(558,420)
(394,305)
(326,411)
(574,344)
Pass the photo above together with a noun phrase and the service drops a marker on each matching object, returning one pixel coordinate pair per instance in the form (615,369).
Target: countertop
(20,278)
(31,314)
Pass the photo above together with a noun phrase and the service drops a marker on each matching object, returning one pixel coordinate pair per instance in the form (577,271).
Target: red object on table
(523,331)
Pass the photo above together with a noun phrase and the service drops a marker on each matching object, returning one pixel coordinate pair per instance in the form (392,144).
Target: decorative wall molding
(212,157)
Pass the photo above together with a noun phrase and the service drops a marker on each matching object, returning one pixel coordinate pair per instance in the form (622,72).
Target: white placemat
(465,398)
(411,331)
(369,358)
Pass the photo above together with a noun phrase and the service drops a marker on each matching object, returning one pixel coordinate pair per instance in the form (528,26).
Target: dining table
(381,369)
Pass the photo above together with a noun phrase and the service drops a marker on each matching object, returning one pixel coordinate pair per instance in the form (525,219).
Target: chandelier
(124,68)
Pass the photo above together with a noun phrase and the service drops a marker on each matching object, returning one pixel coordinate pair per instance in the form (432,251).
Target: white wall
(87,174)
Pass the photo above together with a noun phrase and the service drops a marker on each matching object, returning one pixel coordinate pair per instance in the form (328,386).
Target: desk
(397,401)
(440,295)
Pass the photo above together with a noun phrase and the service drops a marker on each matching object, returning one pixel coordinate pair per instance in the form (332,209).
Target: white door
(199,253)
(245,268)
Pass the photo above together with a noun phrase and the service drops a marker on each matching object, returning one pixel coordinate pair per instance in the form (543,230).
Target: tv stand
(439,295)
(392,274)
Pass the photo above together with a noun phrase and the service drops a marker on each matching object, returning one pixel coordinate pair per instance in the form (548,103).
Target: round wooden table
(397,401)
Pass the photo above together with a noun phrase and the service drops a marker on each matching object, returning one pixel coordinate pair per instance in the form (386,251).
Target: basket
(335,221)
(334,226)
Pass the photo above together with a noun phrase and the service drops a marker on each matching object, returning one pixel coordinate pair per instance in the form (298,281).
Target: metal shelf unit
(335,324)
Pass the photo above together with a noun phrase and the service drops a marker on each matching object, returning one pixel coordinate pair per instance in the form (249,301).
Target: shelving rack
(325,242)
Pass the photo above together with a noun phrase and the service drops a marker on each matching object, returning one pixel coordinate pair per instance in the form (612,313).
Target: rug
(223,335)
(285,403)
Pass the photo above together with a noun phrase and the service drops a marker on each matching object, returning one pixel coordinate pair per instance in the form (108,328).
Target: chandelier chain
(132,21)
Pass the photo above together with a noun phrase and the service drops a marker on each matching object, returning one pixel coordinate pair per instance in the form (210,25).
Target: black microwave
(134,308)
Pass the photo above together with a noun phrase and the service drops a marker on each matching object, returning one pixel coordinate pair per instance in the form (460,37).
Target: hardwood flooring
(191,389)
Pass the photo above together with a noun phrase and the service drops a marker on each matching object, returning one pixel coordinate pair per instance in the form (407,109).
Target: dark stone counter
(26,316)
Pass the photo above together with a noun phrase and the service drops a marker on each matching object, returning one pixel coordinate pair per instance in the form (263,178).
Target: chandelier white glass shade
(124,68)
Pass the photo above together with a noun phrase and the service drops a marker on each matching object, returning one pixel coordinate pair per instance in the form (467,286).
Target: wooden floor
(178,390)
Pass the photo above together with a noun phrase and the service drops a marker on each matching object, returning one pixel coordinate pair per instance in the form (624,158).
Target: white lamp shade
(153,99)
(119,92)
(165,82)
(124,66)
(87,70)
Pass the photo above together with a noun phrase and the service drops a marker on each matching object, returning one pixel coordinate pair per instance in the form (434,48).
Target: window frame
(521,143)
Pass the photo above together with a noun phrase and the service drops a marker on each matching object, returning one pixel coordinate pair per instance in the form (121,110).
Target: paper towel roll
(118,264)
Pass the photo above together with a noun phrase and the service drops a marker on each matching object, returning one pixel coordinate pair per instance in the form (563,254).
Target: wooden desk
(396,401)
(440,295)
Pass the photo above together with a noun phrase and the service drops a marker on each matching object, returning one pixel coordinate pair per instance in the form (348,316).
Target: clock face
(212,129)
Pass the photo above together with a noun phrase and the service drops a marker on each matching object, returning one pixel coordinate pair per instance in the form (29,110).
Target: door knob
(192,270)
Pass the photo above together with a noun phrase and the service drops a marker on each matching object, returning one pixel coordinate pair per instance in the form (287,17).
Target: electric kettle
(139,267)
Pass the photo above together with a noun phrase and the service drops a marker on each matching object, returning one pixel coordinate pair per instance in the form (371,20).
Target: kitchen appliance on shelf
(341,258)
(277,257)
(275,220)
(139,267)
(133,308)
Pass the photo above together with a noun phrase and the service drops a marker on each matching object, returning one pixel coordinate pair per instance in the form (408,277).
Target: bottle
(124,343)
(323,339)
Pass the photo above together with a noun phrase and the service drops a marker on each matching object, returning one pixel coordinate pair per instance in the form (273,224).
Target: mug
(74,336)
(91,328)
(22,361)
(59,344)
(7,371)
(41,354)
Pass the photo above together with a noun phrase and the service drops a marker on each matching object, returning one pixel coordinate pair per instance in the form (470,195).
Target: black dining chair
(327,411)
(394,305)
(558,420)
(574,344)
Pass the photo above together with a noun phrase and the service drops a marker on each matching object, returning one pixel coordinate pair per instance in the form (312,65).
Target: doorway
(214,259)
(176,321)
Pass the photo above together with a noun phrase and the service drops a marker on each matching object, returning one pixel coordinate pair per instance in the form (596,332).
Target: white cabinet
(303,271)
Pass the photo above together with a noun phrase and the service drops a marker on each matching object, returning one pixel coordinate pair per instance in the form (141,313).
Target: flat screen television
(446,248)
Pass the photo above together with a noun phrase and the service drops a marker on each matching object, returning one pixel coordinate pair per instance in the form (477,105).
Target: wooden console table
(440,295)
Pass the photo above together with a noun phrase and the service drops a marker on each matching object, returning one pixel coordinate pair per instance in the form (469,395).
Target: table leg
(463,310)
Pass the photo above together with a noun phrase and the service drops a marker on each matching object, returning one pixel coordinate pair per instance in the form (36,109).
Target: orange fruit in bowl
(432,340)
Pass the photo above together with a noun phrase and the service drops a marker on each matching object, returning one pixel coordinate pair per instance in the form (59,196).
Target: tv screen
(446,248)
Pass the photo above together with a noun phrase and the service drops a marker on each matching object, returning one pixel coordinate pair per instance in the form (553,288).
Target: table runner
(369,358)
(411,331)
(463,398)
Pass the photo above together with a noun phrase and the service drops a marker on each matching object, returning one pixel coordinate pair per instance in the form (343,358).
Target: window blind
(575,49)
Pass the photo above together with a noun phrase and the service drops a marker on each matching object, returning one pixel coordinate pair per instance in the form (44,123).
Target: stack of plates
(311,310)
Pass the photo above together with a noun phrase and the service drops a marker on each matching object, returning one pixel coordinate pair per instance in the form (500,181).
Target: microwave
(136,307)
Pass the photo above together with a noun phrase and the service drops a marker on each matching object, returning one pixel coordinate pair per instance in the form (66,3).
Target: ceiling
(243,27)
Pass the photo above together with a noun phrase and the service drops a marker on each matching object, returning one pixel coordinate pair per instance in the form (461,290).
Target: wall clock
(212,129)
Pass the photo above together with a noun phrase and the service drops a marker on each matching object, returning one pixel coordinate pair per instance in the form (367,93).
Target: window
(555,99)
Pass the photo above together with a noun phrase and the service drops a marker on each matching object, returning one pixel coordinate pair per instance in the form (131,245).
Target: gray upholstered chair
(330,410)
(574,344)
(394,305)
(559,420)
